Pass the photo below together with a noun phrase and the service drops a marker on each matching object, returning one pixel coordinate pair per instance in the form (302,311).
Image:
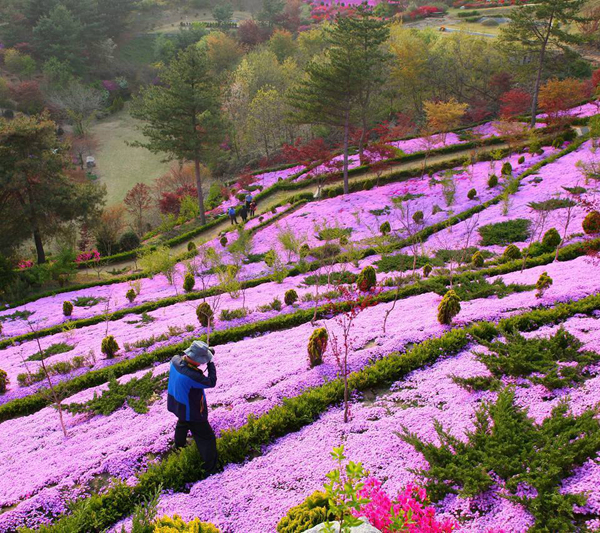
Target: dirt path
(265,206)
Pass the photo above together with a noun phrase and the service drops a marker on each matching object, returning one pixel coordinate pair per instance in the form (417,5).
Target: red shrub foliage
(514,102)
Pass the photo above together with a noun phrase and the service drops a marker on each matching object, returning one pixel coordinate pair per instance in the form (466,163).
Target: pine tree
(182,113)
(338,88)
(540,26)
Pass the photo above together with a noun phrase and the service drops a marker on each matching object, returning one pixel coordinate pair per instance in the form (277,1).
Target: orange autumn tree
(558,96)
(442,117)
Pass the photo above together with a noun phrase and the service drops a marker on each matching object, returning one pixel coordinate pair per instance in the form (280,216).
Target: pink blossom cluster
(24,264)
(93,255)
(410,503)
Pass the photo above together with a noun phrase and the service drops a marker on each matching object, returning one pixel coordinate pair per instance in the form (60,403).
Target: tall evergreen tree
(540,26)
(37,196)
(182,114)
(338,87)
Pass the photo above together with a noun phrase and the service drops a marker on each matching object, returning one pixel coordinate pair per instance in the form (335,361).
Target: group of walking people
(247,208)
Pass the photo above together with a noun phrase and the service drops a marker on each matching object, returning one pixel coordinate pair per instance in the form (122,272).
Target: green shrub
(508,447)
(290,297)
(449,307)
(506,169)
(4,381)
(551,239)
(343,240)
(188,282)
(543,284)
(331,234)
(205,314)
(317,344)
(591,223)
(403,262)
(477,260)
(214,197)
(367,279)
(167,524)
(427,270)
(418,217)
(223,241)
(493,181)
(67,308)
(87,301)
(53,349)
(343,277)
(109,346)
(436,209)
(311,512)
(552,204)
(505,232)
(385,228)
(191,247)
(304,250)
(521,160)
(227,314)
(129,241)
(472,194)
(512,252)
(327,251)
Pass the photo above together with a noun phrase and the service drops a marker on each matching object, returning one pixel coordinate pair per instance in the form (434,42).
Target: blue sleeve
(200,381)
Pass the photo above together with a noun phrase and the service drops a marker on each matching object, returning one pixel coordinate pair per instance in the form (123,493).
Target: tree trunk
(200,193)
(37,236)
(346,136)
(361,142)
(536,89)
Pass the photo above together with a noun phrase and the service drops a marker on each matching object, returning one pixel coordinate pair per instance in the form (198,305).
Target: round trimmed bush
(367,279)
(205,314)
(240,196)
(311,512)
(385,228)
(492,181)
(316,346)
(4,381)
(223,241)
(130,295)
(477,260)
(507,169)
(449,307)
(290,297)
(270,258)
(129,241)
(191,247)
(543,284)
(512,252)
(471,195)
(521,160)
(551,239)
(189,282)
(591,223)
(67,308)
(109,346)
(427,270)
(274,210)
(418,217)
(166,524)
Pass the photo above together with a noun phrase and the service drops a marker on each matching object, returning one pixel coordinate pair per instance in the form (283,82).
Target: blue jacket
(186,397)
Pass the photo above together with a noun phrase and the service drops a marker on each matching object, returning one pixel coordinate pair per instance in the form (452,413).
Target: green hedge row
(235,446)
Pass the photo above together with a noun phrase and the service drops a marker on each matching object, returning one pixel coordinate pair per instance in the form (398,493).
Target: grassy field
(120,166)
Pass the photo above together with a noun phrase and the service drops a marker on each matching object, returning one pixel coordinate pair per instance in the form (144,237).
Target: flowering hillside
(460,305)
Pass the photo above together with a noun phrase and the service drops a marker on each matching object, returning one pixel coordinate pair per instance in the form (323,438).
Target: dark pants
(233,219)
(205,441)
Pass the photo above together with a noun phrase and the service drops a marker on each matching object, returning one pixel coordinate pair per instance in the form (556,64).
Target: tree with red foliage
(170,202)
(558,96)
(402,126)
(250,34)
(514,102)
(312,154)
(245,180)
(378,156)
(28,97)
(346,311)
(137,201)
(596,78)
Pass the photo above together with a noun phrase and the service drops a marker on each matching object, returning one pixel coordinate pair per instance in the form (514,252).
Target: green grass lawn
(120,166)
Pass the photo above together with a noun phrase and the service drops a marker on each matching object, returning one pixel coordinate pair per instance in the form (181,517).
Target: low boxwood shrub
(551,239)
(501,233)
(591,223)
(512,252)
(367,279)
(317,344)
(543,284)
(67,308)
(188,282)
(205,314)
(472,194)
(492,181)
(227,314)
(310,513)
(129,241)
(130,295)
(477,259)
(4,381)
(448,308)
(290,297)
(109,346)
(385,228)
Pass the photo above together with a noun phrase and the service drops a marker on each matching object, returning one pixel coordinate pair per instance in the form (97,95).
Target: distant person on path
(248,200)
(186,400)
(244,212)
(252,208)
(232,215)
